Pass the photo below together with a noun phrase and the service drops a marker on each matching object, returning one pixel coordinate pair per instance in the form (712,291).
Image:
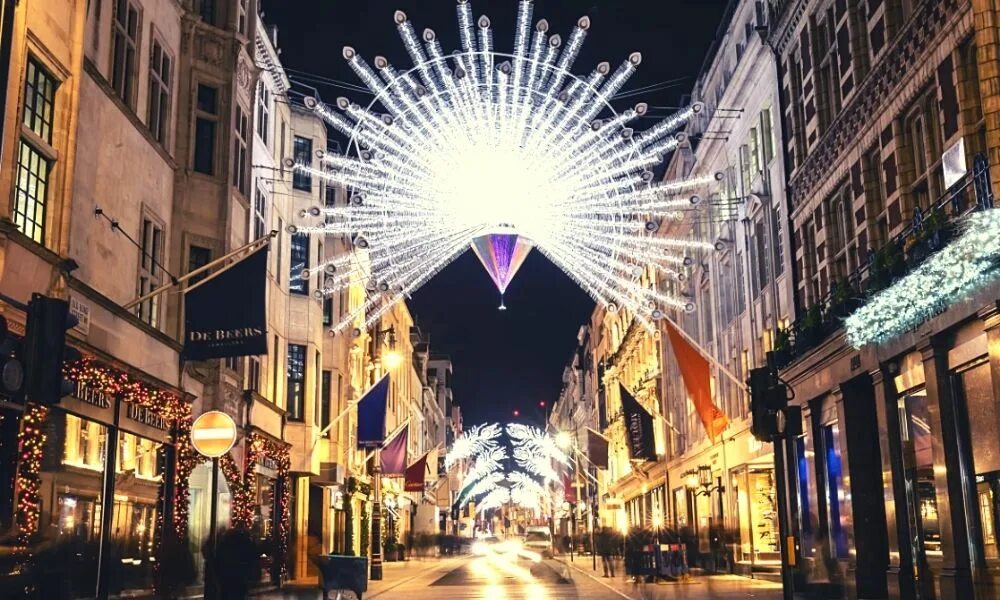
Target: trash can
(342,573)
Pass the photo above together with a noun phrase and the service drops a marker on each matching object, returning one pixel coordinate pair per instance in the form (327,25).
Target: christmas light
(475,440)
(30,444)
(535,451)
(950,275)
(480,143)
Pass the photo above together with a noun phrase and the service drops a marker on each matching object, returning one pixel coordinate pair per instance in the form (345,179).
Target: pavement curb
(598,580)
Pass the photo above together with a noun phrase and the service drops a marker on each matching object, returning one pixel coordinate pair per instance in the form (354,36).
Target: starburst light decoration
(479,439)
(535,451)
(481,143)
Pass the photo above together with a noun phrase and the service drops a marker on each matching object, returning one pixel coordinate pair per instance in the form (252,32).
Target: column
(899,573)
(987,25)
(950,456)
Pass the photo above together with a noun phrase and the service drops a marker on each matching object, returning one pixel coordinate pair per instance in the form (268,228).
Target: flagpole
(705,353)
(259,242)
(376,533)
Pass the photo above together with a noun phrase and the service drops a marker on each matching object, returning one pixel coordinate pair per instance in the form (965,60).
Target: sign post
(213,434)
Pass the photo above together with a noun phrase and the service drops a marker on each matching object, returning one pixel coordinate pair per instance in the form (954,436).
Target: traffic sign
(213,433)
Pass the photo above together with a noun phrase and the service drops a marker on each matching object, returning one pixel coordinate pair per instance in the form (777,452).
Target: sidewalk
(725,587)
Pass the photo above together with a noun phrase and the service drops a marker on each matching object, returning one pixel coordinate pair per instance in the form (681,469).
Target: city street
(496,577)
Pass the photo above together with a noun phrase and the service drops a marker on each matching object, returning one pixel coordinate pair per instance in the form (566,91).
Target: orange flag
(697,379)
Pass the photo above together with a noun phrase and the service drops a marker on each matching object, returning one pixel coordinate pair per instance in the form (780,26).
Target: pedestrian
(605,547)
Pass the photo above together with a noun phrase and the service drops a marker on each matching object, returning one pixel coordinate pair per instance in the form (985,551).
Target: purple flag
(394,453)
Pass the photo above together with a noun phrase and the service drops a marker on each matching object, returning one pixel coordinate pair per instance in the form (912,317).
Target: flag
(638,428)
(597,449)
(393,453)
(697,378)
(371,414)
(570,493)
(227,315)
(414,478)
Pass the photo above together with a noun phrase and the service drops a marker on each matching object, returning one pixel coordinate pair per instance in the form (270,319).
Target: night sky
(515,358)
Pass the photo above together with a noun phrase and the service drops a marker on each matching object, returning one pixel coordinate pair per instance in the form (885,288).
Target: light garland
(535,451)
(475,440)
(481,143)
(959,269)
(30,444)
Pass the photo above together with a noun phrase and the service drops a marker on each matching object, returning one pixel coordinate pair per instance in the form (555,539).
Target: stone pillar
(899,574)
(955,576)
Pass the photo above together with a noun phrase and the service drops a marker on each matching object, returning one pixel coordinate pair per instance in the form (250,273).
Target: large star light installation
(502,153)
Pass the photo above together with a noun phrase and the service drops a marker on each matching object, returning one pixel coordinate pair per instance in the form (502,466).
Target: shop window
(975,386)
(86,443)
(325,401)
(78,516)
(835,490)
(124,55)
(916,435)
(296,382)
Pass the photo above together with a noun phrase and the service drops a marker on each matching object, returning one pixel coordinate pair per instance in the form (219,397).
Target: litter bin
(338,573)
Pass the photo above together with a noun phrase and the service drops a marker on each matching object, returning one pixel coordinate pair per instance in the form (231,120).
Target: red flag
(569,489)
(394,453)
(698,380)
(414,480)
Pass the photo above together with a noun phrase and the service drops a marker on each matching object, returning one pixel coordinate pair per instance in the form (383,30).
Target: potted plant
(810,328)
(782,347)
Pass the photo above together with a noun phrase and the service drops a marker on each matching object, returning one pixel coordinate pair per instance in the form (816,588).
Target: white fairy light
(475,440)
(480,143)
(948,276)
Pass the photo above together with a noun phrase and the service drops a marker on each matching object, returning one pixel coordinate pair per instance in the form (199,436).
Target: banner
(415,473)
(697,378)
(597,449)
(227,315)
(639,434)
(393,453)
(371,414)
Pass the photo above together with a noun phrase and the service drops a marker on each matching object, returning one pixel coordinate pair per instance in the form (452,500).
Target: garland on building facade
(30,444)
(100,378)
(242,486)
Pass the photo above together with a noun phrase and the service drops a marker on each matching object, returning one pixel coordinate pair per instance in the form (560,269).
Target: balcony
(928,232)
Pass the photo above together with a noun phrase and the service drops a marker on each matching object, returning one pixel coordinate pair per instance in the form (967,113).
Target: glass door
(916,434)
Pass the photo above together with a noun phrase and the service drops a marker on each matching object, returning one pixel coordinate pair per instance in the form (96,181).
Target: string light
(30,443)
(481,143)
(948,276)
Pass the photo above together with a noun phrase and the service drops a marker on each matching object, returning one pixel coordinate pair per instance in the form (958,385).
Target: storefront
(111,421)
(755,509)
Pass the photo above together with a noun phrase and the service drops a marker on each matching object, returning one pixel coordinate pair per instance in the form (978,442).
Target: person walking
(605,547)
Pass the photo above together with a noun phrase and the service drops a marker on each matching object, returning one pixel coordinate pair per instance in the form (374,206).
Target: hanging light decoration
(500,152)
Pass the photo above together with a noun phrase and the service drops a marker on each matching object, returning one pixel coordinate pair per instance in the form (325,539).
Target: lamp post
(391,360)
(701,483)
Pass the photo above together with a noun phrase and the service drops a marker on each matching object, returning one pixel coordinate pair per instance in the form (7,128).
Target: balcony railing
(927,232)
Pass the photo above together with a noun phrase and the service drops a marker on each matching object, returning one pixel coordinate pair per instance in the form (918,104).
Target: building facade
(889,143)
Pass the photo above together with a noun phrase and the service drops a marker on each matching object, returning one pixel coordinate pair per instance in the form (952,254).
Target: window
(778,266)
(281,147)
(275,361)
(303,149)
(207,11)
(296,381)
(321,405)
(158,119)
(279,255)
(124,57)
(240,153)
(258,214)
(253,374)
(35,153)
(767,135)
(206,121)
(241,16)
(328,311)
(754,153)
(198,256)
(150,271)
(299,261)
(264,114)
(745,175)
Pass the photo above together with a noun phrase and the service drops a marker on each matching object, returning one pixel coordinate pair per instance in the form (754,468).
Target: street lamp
(564,440)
